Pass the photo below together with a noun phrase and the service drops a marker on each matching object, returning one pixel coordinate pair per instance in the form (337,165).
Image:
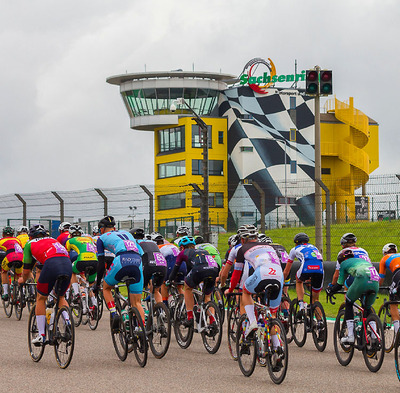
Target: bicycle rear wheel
(183,334)
(160,330)
(233,321)
(319,326)
(219,299)
(397,355)
(374,343)
(76,310)
(344,352)
(35,351)
(278,358)
(18,300)
(212,334)
(119,338)
(8,304)
(138,337)
(298,323)
(93,314)
(246,348)
(64,337)
(284,316)
(388,328)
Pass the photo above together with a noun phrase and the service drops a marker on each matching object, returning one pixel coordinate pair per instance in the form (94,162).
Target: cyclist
(348,240)
(200,265)
(311,267)
(170,252)
(64,234)
(127,263)
(366,278)
(153,262)
(226,270)
(51,260)
(83,255)
(265,269)
(95,231)
(182,230)
(391,261)
(13,252)
(212,250)
(22,235)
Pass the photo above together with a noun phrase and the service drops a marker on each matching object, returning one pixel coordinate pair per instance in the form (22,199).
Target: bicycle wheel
(298,323)
(397,355)
(138,336)
(284,316)
(76,310)
(374,343)
(212,334)
(319,326)
(64,337)
(35,351)
(8,304)
(388,328)
(119,338)
(245,348)
(18,300)
(183,334)
(100,304)
(344,352)
(278,357)
(232,321)
(93,314)
(159,330)
(219,299)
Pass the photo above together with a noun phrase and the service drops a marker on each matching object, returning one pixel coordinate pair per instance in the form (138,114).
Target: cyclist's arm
(238,270)
(28,262)
(180,258)
(382,269)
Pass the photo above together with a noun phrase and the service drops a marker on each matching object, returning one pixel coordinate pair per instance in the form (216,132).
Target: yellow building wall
(180,184)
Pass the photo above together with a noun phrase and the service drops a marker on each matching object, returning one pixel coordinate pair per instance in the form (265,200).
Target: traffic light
(311,82)
(325,84)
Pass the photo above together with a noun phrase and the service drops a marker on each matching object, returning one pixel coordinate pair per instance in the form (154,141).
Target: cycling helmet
(147,236)
(8,231)
(95,229)
(37,230)
(389,248)
(248,232)
(186,240)
(157,237)
(137,233)
(107,222)
(348,238)
(23,229)
(344,254)
(64,226)
(75,230)
(233,240)
(264,238)
(183,230)
(301,238)
(199,239)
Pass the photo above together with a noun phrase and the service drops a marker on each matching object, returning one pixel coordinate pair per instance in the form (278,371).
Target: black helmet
(37,230)
(348,238)
(199,239)
(301,238)
(137,233)
(8,231)
(344,254)
(107,222)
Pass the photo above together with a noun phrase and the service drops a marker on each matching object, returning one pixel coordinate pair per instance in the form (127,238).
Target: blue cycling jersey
(117,242)
(309,257)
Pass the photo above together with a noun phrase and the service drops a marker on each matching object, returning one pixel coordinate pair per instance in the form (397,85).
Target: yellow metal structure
(181,184)
(349,153)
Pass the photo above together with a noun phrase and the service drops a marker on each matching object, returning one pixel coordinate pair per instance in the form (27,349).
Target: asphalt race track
(96,368)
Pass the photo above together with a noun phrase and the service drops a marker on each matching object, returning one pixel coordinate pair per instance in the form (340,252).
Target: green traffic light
(312,88)
(326,88)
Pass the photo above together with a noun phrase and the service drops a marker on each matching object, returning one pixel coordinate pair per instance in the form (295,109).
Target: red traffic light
(312,76)
(326,76)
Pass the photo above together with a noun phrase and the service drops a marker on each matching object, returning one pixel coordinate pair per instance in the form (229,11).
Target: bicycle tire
(100,304)
(212,335)
(218,296)
(245,346)
(76,310)
(18,300)
(397,355)
(64,337)
(93,315)
(298,325)
(183,335)
(160,330)
(35,352)
(285,319)
(8,304)
(344,352)
(138,336)
(388,328)
(119,337)
(374,349)
(232,322)
(278,358)
(319,326)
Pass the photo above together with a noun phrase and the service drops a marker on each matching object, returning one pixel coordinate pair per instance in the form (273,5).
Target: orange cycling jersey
(389,261)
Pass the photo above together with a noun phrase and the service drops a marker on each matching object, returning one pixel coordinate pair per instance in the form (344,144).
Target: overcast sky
(64,128)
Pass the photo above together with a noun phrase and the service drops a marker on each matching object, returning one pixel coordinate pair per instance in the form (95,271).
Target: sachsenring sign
(260,74)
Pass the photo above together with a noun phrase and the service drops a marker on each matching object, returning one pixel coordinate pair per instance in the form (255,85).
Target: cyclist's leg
(108,283)
(394,308)
(4,277)
(135,290)
(317,282)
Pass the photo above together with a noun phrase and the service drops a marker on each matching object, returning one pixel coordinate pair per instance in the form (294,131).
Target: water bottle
(51,321)
(125,319)
(48,315)
(357,323)
(196,312)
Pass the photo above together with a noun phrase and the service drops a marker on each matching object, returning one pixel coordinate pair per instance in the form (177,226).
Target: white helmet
(64,226)
(389,247)
(183,230)
(73,229)
(23,228)
(95,229)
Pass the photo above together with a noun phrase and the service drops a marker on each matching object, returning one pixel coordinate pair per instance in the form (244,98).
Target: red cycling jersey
(41,250)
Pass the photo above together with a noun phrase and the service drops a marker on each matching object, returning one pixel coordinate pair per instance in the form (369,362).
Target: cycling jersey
(84,248)
(170,252)
(153,262)
(281,252)
(63,237)
(389,261)
(13,253)
(358,253)
(23,238)
(212,251)
(309,257)
(233,253)
(117,242)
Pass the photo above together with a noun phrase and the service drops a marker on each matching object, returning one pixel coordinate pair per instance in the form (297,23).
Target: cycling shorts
(52,268)
(126,265)
(80,267)
(201,273)
(395,286)
(317,279)
(159,278)
(360,286)
(16,263)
